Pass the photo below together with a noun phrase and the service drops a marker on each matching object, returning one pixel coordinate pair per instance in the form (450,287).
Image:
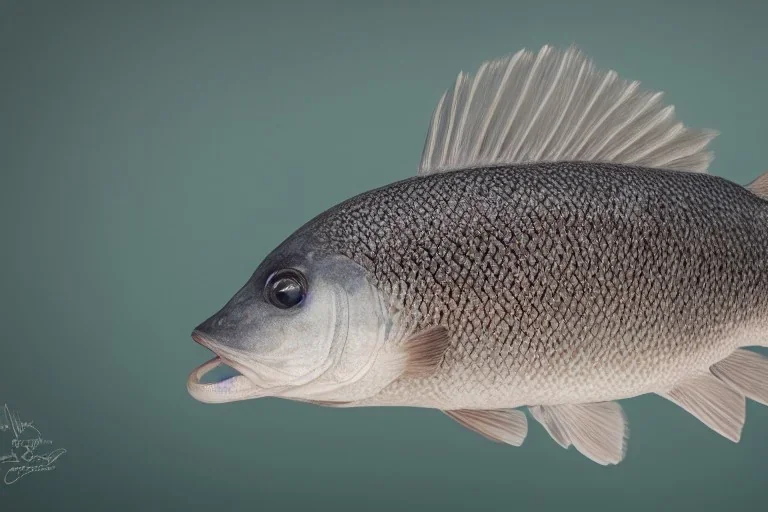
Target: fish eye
(286,288)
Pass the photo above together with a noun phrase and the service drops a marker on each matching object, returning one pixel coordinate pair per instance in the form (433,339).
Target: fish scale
(641,306)
(561,247)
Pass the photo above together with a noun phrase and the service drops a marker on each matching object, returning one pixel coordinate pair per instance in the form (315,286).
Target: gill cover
(344,341)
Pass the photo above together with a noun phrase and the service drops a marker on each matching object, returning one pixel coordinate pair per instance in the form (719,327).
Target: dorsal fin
(555,106)
(759,186)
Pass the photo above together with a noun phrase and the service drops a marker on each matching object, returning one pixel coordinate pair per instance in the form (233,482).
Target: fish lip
(196,388)
(207,393)
(202,339)
(194,384)
(207,342)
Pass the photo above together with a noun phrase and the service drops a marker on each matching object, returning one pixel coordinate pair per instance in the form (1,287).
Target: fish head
(304,325)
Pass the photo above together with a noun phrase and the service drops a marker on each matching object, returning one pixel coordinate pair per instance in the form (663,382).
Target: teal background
(152,153)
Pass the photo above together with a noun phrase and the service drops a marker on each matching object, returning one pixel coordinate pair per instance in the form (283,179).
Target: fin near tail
(717,398)
(746,372)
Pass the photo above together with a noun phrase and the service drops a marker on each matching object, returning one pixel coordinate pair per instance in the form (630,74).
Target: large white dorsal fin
(556,106)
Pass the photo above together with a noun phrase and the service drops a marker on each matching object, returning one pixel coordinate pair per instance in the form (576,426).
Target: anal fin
(713,402)
(327,403)
(746,372)
(597,430)
(508,426)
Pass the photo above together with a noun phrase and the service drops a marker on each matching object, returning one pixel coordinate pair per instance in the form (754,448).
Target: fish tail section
(716,404)
(718,397)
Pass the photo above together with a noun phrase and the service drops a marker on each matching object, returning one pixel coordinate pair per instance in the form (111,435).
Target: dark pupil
(287,292)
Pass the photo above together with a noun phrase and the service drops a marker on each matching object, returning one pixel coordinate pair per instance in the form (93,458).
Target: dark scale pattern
(580,279)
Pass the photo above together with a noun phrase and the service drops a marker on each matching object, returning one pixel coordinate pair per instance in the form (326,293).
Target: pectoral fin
(508,426)
(417,354)
(598,430)
(424,351)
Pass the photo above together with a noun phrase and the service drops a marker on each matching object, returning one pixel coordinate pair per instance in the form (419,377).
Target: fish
(560,248)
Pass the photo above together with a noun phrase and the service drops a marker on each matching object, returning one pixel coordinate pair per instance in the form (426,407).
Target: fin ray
(554,106)
(424,351)
(598,430)
(551,424)
(746,372)
(759,186)
(714,403)
(508,426)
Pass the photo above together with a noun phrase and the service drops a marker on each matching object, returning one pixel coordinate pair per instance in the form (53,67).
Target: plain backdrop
(152,153)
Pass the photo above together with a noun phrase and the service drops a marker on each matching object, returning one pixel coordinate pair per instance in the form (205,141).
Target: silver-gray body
(561,282)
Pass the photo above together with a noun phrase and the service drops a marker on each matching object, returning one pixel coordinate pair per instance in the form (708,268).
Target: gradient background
(152,153)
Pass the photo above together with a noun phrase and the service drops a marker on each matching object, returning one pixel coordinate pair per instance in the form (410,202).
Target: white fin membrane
(713,402)
(424,351)
(746,372)
(759,186)
(556,106)
(598,430)
(508,426)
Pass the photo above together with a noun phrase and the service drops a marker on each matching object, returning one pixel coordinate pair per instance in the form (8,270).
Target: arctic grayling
(561,248)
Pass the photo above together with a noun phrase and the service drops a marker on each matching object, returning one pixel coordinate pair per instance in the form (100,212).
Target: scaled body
(562,283)
(561,248)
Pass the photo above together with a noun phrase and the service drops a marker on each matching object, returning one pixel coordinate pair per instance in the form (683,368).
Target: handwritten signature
(23,457)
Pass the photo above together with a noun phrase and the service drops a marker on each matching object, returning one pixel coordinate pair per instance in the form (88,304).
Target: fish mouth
(237,387)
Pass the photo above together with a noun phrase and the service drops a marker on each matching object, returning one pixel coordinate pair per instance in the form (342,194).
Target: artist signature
(24,457)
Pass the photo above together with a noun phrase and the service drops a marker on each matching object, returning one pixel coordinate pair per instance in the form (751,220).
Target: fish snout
(199,337)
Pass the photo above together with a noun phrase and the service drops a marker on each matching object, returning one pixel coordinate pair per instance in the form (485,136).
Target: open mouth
(221,390)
